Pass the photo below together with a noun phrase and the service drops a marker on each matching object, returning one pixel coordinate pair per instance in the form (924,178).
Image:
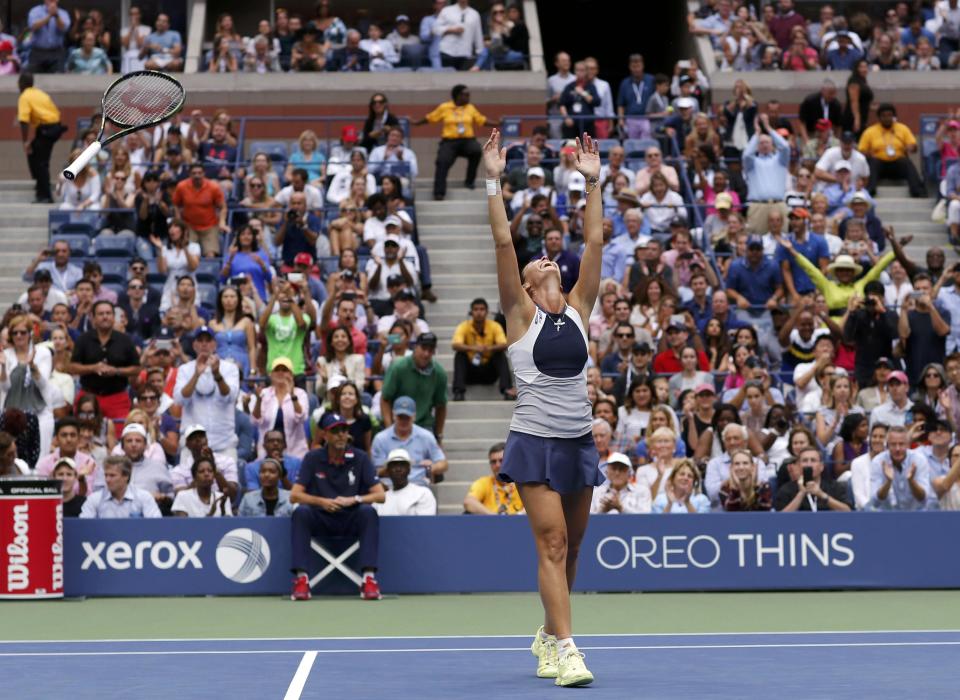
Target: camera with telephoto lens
(292,215)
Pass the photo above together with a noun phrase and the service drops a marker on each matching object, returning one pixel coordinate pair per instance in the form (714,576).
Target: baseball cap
(398,455)
(395,280)
(392,220)
(848,137)
(134,429)
(842,165)
(705,389)
(642,242)
(395,240)
(42,274)
(535,171)
(824,125)
(204,330)
(403,295)
(684,79)
(686,103)
(404,406)
(427,340)
(952,124)
(619,458)
(676,325)
(860,196)
(348,134)
(332,420)
(885,361)
(723,201)
(755,241)
(402,18)
(678,221)
(303,259)
(282,362)
(195,428)
(335,382)
(576,183)
(6,46)
(898,376)
(642,348)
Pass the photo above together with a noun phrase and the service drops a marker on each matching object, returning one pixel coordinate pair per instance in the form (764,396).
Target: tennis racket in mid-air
(135,101)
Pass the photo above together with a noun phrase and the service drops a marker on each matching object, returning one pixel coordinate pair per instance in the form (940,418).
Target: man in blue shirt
(164,47)
(614,261)
(899,476)
(765,162)
(335,490)
(754,285)
(632,98)
(812,246)
(427,458)
(49,24)
(119,499)
(845,56)
(428,37)
(567,260)
(275,447)
(299,231)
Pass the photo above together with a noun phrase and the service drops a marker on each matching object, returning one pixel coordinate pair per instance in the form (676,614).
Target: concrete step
(892,190)
(480,409)
(462,279)
(467,245)
(489,428)
(450,493)
(454,194)
(468,470)
(471,447)
(432,218)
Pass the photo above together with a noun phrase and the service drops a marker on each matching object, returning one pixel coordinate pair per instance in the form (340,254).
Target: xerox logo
(159,555)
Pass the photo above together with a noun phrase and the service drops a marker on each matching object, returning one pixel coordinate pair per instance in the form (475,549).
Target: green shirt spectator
(422,378)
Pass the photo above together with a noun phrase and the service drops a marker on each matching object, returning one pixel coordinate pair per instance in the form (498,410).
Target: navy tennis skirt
(566,465)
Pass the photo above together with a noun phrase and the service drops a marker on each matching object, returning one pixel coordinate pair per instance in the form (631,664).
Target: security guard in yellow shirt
(887,146)
(36,109)
(480,353)
(458,138)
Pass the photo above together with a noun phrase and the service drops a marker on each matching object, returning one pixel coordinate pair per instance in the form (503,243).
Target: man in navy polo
(335,490)
(754,284)
(568,261)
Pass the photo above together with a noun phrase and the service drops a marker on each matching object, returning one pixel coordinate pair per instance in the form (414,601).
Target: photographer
(298,233)
(871,329)
(380,270)
(923,327)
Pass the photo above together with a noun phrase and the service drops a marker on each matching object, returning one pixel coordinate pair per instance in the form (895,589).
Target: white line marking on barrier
(300,677)
(467,636)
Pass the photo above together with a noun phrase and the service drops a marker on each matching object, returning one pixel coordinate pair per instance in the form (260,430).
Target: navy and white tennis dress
(550,439)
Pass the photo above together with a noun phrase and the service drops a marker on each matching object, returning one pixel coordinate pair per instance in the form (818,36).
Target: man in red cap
(303,265)
(823,139)
(339,160)
(811,246)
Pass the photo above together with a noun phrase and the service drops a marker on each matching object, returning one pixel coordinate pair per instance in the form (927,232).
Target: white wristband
(493,187)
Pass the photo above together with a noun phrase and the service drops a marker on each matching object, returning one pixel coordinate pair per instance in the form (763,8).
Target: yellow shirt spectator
(497,497)
(467,334)
(887,144)
(36,108)
(458,121)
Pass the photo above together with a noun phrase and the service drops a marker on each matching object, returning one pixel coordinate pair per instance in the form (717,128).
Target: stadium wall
(447,554)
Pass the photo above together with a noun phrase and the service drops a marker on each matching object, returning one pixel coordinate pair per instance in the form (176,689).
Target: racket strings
(143,99)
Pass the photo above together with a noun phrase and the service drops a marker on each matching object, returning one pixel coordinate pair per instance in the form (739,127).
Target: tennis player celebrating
(550,453)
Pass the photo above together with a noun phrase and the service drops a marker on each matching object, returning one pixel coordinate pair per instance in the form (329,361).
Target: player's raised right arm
(508,275)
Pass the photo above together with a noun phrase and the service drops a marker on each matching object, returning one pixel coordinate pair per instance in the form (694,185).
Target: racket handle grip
(89,153)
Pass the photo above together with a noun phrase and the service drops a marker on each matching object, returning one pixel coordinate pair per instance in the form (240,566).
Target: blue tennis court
(885,664)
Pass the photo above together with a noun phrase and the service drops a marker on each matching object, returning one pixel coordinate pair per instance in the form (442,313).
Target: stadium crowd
(203,333)
(54,39)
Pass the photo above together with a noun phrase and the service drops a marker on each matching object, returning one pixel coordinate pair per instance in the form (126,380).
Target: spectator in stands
(218,157)
(617,494)
(896,410)
(404,497)
(308,54)
(202,500)
(283,407)
(460,29)
(164,47)
(49,24)
(286,327)
(9,62)
(349,58)
(146,473)
(479,347)
(742,491)
(632,97)
(406,44)
(56,260)
(299,231)
(681,494)
(275,448)
(948,33)
(104,359)
(143,316)
(458,138)
(490,496)
(261,56)
(379,120)
(66,472)
(888,145)
(269,499)
(755,286)
(899,476)
(923,326)
(200,204)
(383,55)
(196,447)
(176,258)
(338,502)
(846,55)
(810,491)
(945,486)
(811,246)
(423,378)
(207,389)
(662,206)
(393,151)
(426,457)
(669,361)
(88,58)
(119,499)
(67,435)
(765,162)
(579,101)
(846,153)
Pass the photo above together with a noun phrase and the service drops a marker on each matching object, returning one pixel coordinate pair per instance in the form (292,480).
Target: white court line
(434,650)
(466,636)
(300,677)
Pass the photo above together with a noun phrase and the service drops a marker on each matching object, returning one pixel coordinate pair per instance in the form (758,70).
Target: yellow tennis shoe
(545,649)
(571,671)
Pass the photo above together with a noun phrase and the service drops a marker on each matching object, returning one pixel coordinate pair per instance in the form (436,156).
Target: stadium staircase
(912,217)
(457,234)
(23,232)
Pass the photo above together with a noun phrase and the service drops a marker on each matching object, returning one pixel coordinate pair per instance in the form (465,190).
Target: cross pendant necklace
(559,322)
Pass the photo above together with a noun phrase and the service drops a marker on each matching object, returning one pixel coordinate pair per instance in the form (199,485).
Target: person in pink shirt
(67,434)
(283,407)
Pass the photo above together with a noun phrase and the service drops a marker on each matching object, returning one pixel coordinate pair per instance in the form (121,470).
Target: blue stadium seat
(77,228)
(207,295)
(114,247)
(555,144)
(510,128)
(636,148)
(277,150)
(606,144)
(328,265)
(209,270)
(79,243)
(394,168)
(114,271)
(411,56)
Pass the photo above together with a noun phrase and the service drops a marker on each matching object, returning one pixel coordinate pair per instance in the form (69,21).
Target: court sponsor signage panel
(31,539)
(245,556)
